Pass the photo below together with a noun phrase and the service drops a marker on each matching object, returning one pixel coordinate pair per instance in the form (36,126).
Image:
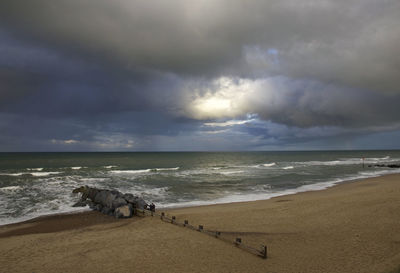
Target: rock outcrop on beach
(110,202)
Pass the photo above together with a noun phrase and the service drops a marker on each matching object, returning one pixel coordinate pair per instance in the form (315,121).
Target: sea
(36,184)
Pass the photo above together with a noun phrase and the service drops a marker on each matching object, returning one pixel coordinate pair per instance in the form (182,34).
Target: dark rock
(91,193)
(141,204)
(99,207)
(109,199)
(107,211)
(101,197)
(129,197)
(91,204)
(118,202)
(110,202)
(386,165)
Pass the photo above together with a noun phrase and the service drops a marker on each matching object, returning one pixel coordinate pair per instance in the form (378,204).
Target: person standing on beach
(152,207)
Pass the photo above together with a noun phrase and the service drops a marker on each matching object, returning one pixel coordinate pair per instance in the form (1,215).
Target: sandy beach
(352,227)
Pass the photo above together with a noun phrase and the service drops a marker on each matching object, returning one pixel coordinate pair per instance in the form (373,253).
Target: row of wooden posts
(262,252)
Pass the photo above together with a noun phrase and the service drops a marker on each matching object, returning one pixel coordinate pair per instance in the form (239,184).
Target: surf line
(261,252)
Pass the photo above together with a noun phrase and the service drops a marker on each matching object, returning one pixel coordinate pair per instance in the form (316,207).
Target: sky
(204,75)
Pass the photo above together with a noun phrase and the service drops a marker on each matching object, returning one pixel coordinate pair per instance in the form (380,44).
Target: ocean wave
(35,169)
(288,168)
(231,172)
(330,163)
(269,164)
(110,167)
(350,161)
(66,209)
(130,171)
(261,188)
(43,173)
(159,192)
(265,192)
(76,168)
(165,169)
(13,174)
(92,179)
(143,170)
(10,188)
(257,166)
(230,198)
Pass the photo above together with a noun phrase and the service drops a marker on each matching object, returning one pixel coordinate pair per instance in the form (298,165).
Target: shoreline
(325,185)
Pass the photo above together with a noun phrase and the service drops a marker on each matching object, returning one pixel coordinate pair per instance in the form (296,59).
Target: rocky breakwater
(110,202)
(393,166)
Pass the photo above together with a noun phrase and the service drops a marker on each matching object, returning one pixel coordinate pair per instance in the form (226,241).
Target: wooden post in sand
(200,228)
(238,241)
(186,223)
(173,219)
(264,251)
(217,234)
(162,215)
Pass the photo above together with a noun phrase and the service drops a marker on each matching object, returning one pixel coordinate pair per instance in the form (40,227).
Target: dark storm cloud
(348,42)
(35,79)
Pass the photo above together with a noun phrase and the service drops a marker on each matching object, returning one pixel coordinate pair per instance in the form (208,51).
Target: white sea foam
(261,188)
(130,171)
(10,188)
(143,170)
(288,168)
(44,173)
(165,169)
(42,212)
(269,164)
(35,169)
(155,191)
(76,168)
(110,166)
(13,174)
(231,172)
(92,179)
(258,166)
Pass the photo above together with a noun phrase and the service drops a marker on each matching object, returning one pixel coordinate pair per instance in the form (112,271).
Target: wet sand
(352,227)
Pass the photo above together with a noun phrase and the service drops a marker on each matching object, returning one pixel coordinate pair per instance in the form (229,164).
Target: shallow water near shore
(33,184)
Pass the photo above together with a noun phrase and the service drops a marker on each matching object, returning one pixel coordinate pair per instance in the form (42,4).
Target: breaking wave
(10,188)
(269,164)
(35,169)
(43,173)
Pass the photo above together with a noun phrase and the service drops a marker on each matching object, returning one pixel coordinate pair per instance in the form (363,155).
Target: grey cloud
(39,80)
(345,42)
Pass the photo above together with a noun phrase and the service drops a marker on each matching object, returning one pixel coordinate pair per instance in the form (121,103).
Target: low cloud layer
(141,74)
